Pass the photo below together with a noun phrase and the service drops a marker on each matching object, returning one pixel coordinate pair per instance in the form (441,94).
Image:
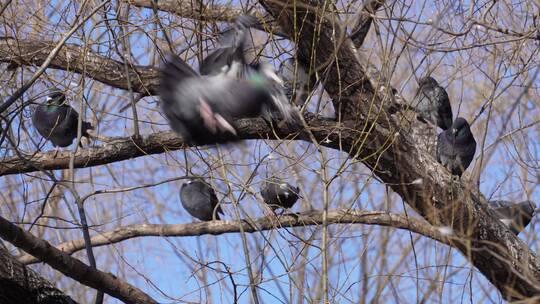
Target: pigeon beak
(49,98)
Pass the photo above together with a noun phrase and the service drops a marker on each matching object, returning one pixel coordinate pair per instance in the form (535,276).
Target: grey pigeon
(202,108)
(432,103)
(515,216)
(456,147)
(57,121)
(200,200)
(295,81)
(232,45)
(279,194)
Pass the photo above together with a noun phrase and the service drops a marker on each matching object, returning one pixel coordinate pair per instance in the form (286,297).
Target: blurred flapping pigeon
(279,194)
(57,121)
(432,103)
(515,216)
(200,200)
(295,81)
(233,43)
(456,147)
(202,108)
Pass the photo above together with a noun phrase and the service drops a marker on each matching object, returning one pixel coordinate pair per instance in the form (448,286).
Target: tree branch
(186,9)
(387,146)
(50,57)
(311,218)
(72,57)
(19,284)
(71,267)
(124,148)
(359,33)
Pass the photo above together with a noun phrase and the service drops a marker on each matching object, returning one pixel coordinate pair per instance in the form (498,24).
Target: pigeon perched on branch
(279,194)
(515,216)
(295,81)
(200,200)
(57,121)
(456,147)
(432,103)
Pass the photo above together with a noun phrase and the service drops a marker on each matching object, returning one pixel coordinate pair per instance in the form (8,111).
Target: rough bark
(369,129)
(187,10)
(124,148)
(78,59)
(385,144)
(19,284)
(71,267)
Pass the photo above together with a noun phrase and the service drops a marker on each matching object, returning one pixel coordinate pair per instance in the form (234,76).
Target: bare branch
(312,218)
(49,58)
(72,57)
(359,33)
(71,267)
(388,148)
(123,148)
(186,9)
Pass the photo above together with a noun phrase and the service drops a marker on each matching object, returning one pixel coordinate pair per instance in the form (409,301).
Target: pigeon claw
(224,125)
(207,116)
(214,121)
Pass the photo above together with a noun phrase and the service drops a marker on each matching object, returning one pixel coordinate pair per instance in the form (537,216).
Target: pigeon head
(246,21)
(532,206)
(460,128)
(262,73)
(428,82)
(55,97)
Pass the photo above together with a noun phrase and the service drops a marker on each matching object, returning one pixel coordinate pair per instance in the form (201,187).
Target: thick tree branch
(50,57)
(19,284)
(387,147)
(359,33)
(72,57)
(124,148)
(71,267)
(186,9)
(311,218)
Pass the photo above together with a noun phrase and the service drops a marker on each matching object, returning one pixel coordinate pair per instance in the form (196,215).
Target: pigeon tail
(84,131)
(85,127)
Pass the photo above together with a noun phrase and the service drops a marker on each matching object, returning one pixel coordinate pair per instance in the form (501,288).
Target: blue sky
(172,269)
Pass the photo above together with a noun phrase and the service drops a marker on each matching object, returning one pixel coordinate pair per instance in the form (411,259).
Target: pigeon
(515,216)
(200,200)
(295,81)
(233,42)
(432,104)
(456,147)
(202,108)
(57,121)
(279,194)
